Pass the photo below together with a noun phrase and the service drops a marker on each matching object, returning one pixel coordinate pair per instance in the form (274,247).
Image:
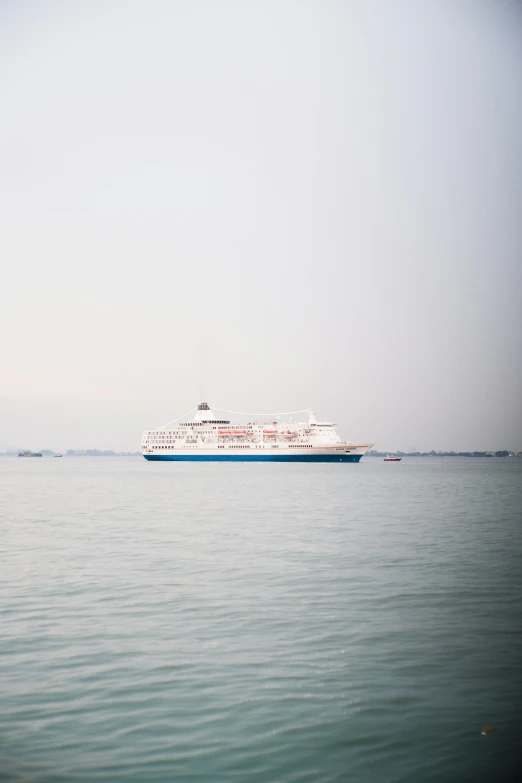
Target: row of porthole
(163,446)
(236,446)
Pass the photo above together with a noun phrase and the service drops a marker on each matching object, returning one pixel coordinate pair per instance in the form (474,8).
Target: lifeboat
(223,432)
(238,432)
(269,432)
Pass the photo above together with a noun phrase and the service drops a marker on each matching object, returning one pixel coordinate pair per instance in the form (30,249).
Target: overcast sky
(267,205)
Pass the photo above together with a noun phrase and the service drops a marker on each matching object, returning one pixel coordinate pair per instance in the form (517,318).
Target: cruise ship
(211,437)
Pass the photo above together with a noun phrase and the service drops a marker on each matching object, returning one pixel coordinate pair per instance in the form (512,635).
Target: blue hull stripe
(253,457)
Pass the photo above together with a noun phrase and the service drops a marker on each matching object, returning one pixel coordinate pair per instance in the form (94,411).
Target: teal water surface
(251,622)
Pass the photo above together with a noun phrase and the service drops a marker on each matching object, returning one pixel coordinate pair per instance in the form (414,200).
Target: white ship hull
(231,454)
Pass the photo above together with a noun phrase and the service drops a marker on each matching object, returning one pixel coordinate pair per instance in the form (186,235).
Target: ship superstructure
(210,437)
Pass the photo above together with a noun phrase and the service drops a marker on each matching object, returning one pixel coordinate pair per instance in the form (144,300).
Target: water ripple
(290,623)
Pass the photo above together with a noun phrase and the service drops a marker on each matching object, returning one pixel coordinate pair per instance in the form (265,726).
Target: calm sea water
(291,623)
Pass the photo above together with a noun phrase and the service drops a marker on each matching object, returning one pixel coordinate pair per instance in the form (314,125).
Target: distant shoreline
(380,454)
(503,453)
(72,453)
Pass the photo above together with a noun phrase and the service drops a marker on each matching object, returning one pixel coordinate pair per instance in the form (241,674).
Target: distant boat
(58,455)
(392,459)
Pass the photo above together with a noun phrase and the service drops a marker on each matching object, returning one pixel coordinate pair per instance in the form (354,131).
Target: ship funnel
(312,418)
(204,413)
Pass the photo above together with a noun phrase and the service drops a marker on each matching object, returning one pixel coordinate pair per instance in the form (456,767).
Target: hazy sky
(267,205)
